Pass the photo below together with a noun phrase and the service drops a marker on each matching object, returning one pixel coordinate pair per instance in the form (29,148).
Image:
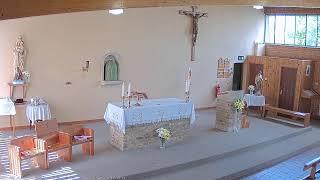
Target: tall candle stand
(187,96)
(123,103)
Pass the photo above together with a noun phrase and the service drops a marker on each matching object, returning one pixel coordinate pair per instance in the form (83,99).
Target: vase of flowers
(251,89)
(239,106)
(164,135)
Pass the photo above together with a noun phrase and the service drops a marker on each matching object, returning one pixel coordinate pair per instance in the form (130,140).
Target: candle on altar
(187,85)
(129,89)
(122,91)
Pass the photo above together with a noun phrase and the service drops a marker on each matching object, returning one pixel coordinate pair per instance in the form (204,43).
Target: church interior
(159,90)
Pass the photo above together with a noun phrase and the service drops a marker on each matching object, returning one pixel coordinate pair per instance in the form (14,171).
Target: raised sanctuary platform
(205,145)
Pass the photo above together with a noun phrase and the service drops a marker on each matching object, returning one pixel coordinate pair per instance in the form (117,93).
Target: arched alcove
(110,70)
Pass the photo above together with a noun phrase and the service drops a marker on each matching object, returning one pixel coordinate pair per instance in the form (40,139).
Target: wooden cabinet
(316,77)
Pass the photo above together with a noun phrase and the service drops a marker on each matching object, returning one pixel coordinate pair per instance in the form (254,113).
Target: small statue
(19,54)
(258,81)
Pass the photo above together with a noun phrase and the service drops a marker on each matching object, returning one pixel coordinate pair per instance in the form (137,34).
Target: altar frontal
(135,127)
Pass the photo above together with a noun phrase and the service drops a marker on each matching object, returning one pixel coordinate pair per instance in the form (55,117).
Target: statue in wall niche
(19,55)
(258,81)
(111,68)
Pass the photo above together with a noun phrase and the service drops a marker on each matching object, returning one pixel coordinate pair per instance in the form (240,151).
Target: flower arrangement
(26,76)
(239,104)
(251,88)
(164,135)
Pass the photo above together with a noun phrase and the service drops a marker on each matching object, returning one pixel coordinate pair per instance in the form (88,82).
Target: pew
(313,166)
(81,136)
(24,148)
(295,115)
(54,140)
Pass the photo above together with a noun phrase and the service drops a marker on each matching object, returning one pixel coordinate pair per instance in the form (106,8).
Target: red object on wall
(217,90)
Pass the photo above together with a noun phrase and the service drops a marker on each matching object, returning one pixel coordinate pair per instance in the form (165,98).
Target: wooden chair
(23,148)
(313,165)
(83,136)
(55,141)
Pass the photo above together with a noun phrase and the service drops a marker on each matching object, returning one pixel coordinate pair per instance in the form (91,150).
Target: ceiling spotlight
(116,11)
(258,7)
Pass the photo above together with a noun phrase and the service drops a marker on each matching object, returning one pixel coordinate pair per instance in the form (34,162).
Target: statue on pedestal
(258,81)
(19,55)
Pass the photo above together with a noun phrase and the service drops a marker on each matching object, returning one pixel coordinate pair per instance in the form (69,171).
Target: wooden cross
(195,18)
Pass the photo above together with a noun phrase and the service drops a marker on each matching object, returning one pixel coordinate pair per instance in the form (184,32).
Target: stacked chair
(49,139)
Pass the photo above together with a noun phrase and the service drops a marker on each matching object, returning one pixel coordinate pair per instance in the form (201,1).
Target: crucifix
(195,18)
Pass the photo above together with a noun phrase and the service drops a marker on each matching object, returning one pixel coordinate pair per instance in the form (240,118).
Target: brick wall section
(139,136)
(293,52)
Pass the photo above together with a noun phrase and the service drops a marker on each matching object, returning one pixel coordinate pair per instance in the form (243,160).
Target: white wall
(154,45)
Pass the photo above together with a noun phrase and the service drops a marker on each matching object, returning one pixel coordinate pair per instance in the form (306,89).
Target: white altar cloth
(253,100)
(7,107)
(38,112)
(151,111)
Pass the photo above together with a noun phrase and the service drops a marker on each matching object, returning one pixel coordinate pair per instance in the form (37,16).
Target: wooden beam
(10,9)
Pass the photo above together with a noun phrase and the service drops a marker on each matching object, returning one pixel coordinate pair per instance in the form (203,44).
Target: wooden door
(287,88)
(316,77)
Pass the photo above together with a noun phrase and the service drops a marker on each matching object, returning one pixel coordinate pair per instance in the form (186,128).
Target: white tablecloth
(7,107)
(151,111)
(39,112)
(253,100)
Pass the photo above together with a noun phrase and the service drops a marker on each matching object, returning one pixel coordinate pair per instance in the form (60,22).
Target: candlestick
(123,102)
(129,90)
(188,96)
(129,97)
(122,90)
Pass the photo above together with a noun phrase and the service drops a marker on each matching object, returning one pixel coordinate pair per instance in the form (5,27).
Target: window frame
(266,26)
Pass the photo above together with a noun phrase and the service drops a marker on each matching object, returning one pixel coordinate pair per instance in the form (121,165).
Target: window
(299,30)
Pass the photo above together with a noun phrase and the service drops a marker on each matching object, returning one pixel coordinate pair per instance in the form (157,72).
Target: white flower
(251,88)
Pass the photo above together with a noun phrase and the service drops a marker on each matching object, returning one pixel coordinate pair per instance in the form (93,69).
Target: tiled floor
(291,169)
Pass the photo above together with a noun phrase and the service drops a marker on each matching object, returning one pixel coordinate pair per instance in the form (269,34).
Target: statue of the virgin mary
(19,54)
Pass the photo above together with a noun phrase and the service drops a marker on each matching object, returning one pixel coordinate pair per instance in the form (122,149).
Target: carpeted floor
(109,163)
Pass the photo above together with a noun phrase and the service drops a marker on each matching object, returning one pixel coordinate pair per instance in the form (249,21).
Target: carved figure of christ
(195,29)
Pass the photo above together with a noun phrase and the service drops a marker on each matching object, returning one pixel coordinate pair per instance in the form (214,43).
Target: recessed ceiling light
(258,7)
(116,11)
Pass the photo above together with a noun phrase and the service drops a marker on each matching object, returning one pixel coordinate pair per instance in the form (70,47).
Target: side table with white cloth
(39,112)
(7,108)
(135,127)
(255,101)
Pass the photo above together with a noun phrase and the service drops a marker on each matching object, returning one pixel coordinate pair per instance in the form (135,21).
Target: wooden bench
(313,165)
(55,141)
(23,148)
(295,115)
(83,136)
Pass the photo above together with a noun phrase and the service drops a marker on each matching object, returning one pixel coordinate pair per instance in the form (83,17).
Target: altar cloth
(253,100)
(7,107)
(38,112)
(151,111)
